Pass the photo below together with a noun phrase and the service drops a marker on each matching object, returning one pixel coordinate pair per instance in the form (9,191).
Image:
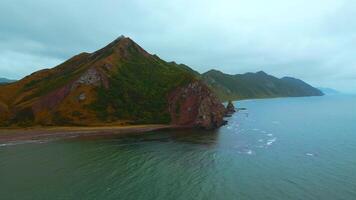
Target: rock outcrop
(230,108)
(195,105)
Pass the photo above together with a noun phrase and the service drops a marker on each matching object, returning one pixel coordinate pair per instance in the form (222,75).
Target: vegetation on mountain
(138,89)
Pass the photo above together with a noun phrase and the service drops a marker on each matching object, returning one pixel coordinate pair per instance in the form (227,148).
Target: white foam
(255,129)
(260,140)
(263,132)
(23,142)
(247,151)
(214,156)
(271,141)
(11,144)
(270,135)
(309,154)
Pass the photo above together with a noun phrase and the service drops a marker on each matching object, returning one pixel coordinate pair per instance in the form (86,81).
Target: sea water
(278,149)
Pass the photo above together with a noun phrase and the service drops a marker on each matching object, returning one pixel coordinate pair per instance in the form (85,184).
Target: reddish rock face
(51,100)
(195,105)
(91,77)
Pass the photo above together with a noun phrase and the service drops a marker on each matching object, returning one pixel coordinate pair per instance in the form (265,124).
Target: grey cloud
(312,40)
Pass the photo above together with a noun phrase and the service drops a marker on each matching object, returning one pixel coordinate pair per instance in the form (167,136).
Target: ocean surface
(277,149)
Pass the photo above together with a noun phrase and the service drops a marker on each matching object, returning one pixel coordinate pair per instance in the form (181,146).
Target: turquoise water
(288,148)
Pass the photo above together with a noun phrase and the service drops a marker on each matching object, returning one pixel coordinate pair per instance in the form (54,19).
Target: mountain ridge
(329,91)
(5,80)
(256,85)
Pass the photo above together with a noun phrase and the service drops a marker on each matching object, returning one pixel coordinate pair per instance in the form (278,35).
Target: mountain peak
(261,72)
(213,71)
(120,39)
(123,46)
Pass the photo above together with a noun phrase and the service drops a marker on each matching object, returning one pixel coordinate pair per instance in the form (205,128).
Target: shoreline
(8,135)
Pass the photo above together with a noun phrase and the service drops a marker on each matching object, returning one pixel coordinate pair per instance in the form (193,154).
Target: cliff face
(120,83)
(196,106)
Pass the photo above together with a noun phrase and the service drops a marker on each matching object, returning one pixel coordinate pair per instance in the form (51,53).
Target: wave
(23,142)
(271,141)
(247,152)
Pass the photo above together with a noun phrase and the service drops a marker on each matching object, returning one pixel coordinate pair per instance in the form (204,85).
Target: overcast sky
(314,40)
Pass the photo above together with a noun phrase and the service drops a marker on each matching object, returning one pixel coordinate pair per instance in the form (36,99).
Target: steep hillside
(120,83)
(256,85)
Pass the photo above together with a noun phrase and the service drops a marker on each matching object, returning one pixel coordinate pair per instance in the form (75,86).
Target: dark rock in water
(194,105)
(230,108)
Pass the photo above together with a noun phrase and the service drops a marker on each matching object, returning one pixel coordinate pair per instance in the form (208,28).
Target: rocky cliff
(195,105)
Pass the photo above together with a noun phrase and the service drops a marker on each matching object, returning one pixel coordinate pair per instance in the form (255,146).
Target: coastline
(44,133)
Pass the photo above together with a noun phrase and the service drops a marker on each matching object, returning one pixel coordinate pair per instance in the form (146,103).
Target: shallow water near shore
(285,148)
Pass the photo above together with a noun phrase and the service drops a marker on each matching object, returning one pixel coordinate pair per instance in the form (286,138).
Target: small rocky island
(230,108)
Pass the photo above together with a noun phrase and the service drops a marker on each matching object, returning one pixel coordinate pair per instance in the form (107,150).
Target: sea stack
(230,108)
(194,105)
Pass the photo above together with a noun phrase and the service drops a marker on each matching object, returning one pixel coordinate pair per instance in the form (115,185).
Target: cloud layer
(312,40)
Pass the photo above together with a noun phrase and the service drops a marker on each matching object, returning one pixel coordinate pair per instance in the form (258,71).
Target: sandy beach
(42,133)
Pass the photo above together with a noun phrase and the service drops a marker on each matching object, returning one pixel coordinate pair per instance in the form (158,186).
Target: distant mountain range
(5,80)
(329,91)
(123,84)
(256,85)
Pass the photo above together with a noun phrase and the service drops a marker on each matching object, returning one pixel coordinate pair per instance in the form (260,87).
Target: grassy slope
(139,90)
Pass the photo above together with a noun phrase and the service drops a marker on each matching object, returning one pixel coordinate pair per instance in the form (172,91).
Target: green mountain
(256,85)
(120,83)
